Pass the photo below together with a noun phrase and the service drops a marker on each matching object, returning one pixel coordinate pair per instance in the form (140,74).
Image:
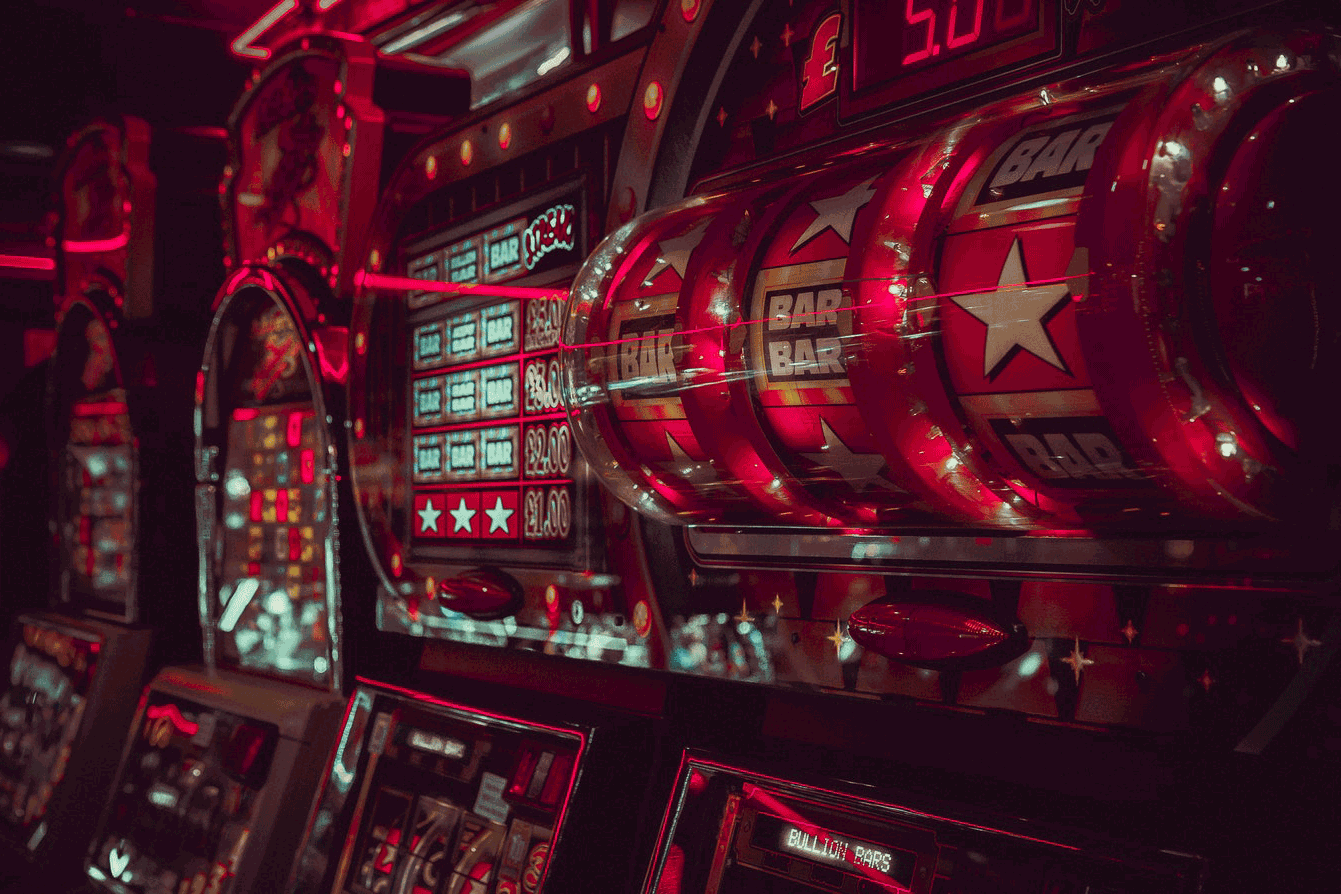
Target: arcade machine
(218,776)
(485,770)
(119,471)
(960,369)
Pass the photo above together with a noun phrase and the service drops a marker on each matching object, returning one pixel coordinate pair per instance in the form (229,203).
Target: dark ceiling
(64,61)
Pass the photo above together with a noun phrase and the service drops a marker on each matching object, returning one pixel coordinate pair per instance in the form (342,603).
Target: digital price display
(862,858)
(273,599)
(927,44)
(492,456)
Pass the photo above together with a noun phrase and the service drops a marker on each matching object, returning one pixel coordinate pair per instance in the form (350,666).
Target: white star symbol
(691,470)
(837,213)
(461,517)
(674,253)
(1015,314)
(857,469)
(498,516)
(428,517)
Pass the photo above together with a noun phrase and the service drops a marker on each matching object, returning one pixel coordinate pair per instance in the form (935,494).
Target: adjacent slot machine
(486,527)
(119,463)
(955,369)
(219,774)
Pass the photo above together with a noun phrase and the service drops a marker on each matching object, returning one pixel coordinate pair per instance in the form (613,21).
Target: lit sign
(554,230)
(453,748)
(824,846)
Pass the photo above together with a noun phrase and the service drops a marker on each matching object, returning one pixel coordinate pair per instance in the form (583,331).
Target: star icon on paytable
(428,517)
(462,517)
(498,516)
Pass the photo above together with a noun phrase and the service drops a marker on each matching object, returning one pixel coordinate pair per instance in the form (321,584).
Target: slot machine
(954,367)
(219,772)
(117,432)
(488,768)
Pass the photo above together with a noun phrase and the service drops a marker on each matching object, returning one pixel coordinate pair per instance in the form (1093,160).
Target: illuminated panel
(748,833)
(446,799)
(492,459)
(187,794)
(928,44)
(96,466)
(51,672)
(272,590)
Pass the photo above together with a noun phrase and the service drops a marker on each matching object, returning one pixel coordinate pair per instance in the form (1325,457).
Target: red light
(594,98)
(89,246)
(653,97)
(689,9)
(504,135)
(307,465)
(257,501)
(407,284)
(174,715)
(282,505)
(467,153)
(19,262)
(295,544)
(243,414)
(294,430)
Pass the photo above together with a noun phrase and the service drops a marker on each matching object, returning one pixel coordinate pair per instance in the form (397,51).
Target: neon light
(295,544)
(282,505)
(242,45)
(245,414)
(324,5)
(100,408)
(419,35)
(307,465)
(20,262)
(242,596)
(174,714)
(294,428)
(409,284)
(256,504)
(90,246)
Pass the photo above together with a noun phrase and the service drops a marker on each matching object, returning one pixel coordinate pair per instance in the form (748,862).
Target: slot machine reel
(1206,322)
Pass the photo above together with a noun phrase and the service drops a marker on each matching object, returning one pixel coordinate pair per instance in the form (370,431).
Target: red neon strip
(242,45)
(21,262)
(410,284)
(294,429)
(245,414)
(282,505)
(100,408)
(307,465)
(90,246)
(184,726)
(257,503)
(295,544)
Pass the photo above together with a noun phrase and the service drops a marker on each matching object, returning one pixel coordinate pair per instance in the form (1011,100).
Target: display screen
(927,44)
(455,803)
(50,673)
(184,805)
(96,483)
(492,458)
(274,504)
(862,858)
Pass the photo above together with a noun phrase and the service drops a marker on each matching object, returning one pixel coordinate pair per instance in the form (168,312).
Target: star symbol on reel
(696,473)
(1016,314)
(837,213)
(428,518)
(498,516)
(673,254)
(859,470)
(462,516)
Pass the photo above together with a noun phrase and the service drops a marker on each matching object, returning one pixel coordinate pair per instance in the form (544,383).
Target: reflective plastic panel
(267,511)
(95,513)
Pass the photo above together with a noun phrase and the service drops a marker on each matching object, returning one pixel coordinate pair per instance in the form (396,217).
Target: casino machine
(118,463)
(841,446)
